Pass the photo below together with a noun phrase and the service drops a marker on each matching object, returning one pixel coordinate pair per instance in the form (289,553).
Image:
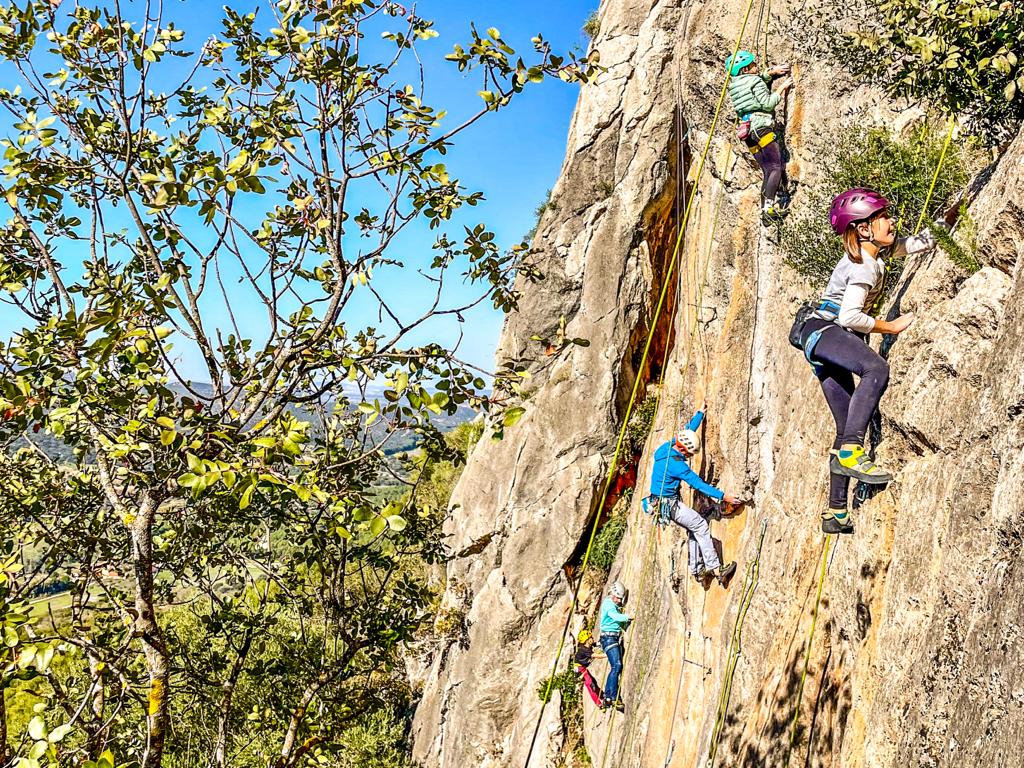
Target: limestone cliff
(916,654)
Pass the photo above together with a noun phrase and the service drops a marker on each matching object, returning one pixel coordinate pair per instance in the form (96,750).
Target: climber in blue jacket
(671,469)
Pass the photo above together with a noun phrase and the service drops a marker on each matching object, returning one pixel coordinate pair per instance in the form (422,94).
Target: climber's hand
(782,69)
(786,84)
(731,500)
(900,324)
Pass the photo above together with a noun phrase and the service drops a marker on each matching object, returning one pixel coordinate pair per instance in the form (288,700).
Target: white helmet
(617,591)
(689,440)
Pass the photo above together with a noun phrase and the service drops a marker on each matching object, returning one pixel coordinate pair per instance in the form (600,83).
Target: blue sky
(512,157)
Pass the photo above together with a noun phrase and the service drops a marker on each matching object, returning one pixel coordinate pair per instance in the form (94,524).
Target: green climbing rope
(807,649)
(736,645)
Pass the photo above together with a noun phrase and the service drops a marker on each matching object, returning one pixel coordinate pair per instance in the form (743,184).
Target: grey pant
(701,545)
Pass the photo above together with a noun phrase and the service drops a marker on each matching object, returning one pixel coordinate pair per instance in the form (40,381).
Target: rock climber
(835,336)
(611,623)
(754,101)
(584,655)
(671,468)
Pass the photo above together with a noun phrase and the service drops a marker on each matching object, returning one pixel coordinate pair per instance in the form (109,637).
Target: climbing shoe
(772,212)
(852,461)
(619,706)
(704,577)
(830,524)
(725,574)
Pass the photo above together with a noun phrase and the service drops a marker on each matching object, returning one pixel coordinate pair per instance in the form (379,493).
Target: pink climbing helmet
(853,205)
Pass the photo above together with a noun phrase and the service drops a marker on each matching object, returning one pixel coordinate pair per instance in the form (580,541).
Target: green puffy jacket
(752,96)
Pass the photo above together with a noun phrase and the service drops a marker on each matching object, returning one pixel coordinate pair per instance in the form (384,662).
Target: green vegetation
(571,688)
(538,213)
(641,422)
(243,587)
(592,26)
(964,56)
(902,168)
(609,536)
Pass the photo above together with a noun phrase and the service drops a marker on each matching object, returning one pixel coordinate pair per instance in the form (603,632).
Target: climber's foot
(852,461)
(704,577)
(725,574)
(830,524)
(772,213)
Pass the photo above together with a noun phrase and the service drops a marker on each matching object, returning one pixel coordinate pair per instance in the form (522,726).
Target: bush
(607,541)
(641,422)
(958,54)
(377,740)
(569,683)
(901,169)
(592,26)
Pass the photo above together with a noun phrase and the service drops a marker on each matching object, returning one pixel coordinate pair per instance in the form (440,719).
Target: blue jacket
(611,619)
(671,468)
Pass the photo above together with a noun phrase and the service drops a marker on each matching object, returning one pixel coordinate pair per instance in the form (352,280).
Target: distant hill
(400,442)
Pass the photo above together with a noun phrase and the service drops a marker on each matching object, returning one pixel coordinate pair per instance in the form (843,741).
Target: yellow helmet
(584,636)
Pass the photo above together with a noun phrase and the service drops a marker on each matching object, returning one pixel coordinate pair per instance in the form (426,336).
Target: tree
(239,206)
(963,56)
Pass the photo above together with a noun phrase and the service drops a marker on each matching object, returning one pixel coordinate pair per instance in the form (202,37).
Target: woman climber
(834,338)
(755,102)
(671,468)
(611,623)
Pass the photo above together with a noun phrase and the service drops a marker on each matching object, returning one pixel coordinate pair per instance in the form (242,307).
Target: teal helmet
(734,64)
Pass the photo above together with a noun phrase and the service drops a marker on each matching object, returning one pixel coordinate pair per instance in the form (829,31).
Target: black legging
(770,160)
(841,354)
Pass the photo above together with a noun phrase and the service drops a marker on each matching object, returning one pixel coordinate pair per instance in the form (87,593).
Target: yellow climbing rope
(702,284)
(648,564)
(935,177)
(636,386)
(736,645)
(807,650)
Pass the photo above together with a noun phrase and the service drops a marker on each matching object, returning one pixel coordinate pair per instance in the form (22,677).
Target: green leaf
(512,416)
(377,526)
(397,523)
(37,728)
(246,497)
(58,733)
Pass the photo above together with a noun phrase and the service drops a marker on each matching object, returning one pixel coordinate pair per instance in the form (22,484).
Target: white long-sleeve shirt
(854,287)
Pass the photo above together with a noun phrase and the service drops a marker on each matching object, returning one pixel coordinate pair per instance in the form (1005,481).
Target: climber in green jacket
(754,101)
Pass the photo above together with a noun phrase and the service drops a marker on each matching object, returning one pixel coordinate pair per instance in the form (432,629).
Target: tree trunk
(98,705)
(220,747)
(3,727)
(147,629)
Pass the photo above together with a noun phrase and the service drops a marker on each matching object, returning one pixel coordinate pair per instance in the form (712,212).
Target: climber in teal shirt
(671,470)
(611,623)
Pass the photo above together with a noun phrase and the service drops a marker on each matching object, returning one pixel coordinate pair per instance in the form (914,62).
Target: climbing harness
(807,649)
(736,645)
(760,143)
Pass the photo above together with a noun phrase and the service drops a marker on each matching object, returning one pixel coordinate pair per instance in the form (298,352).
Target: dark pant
(842,354)
(612,645)
(770,160)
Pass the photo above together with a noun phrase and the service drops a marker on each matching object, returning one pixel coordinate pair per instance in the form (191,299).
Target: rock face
(917,640)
